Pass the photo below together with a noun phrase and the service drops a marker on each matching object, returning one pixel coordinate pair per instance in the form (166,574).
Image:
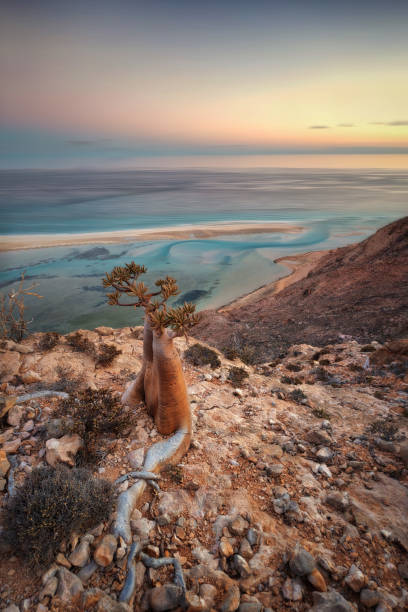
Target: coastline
(185,232)
(299,265)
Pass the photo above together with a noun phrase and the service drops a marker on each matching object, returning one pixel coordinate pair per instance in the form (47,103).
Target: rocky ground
(293,495)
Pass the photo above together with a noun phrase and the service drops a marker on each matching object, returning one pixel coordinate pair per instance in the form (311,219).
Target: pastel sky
(105,82)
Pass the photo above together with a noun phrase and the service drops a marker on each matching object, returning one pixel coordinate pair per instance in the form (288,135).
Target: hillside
(311,451)
(359,291)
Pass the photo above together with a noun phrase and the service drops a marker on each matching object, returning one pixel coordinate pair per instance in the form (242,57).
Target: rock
(136,458)
(337,500)
(50,588)
(4,463)
(11,608)
(3,483)
(55,428)
(41,608)
(330,602)
(355,579)
(316,579)
(274,470)
(302,562)
(292,590)
(318,437)
(253,536)
(324,470)
(324,454)
(12,446)
(225,548)
(108,604)
(80,555)
(29,377)
(63,449)
(245,549)
(208,592)
(143,527)
(69,585)
(232,599)
(369,598)
(62,560)
(105,550)
(238,526)
(274,451)
(241,566)
(250,606)
(403,453)
(166,597)
(15,414)
(87,571)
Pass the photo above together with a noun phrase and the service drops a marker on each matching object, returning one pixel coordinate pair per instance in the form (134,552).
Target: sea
(335,207)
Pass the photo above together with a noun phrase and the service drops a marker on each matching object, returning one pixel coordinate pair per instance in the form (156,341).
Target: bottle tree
(160,382)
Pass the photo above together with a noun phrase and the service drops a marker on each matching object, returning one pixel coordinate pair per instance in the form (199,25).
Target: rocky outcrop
(359,290)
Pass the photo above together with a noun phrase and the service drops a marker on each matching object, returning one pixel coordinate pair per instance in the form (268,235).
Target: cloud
(319,127)
(392,123)
(345,125)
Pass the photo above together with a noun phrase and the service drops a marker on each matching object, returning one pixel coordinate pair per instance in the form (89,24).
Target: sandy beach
(184,232)
(299,266)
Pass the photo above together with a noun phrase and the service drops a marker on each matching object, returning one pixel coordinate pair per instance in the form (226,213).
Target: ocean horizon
(334,207)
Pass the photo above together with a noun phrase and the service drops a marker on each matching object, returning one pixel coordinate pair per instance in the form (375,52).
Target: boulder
(62,450)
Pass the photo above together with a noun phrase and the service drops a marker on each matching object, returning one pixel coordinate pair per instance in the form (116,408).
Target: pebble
(241,566)
(69,585)
(355,579)
(226,549)
(292,590)
(232,599)
(274,470)
(316,579)
(50,588)
(332,600)
(166,597)
(4,464)
(302,562)
(105,550)
(80,555)
(238,526)
(369,598)
(337,500)
(324,454)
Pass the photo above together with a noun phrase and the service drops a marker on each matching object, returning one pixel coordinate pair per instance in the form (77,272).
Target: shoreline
(299,265)
(19,242)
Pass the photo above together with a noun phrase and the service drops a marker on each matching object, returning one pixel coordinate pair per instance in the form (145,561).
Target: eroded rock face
(63,449)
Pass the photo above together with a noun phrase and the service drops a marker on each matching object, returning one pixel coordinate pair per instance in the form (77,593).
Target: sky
(97,83)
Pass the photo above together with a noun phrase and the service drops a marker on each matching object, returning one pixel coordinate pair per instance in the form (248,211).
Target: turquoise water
(328,204)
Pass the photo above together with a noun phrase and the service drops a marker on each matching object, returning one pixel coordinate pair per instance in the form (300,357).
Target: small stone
(62,560)
(15,414)
(355,579)
(4,464)
(69,585)
(316,579)
(105,550)
(241,566)
(275,451)
(330,601)
(225,548)
(29,377)
(41,608)
(253,536)
(231,600)
(318,437)
(143,527)
(153,551)
(12,446)
(11,608)
(208,592)
(50,588)
(136,458)
(29,425)
(324,470)
(324,454)
(238,526)
(245,549)
(302,562)
(166,597)
(369,598)
(3,483)
(337,500)
(63,449)
(292,590)
(55,428)
(80,555)
(274,470)
(87,571)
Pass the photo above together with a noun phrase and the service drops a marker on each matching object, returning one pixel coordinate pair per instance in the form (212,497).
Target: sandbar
(184,232)
(299,265)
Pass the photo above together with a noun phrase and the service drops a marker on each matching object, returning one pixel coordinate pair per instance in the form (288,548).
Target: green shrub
(48,341)
(91,413)
(237,376)
(52,504)
(200,355)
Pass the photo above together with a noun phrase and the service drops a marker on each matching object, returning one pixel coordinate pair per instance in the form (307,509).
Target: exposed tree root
(141,475)
(158,455)
(128,590)
(156,563)
(29,396)
(10,484)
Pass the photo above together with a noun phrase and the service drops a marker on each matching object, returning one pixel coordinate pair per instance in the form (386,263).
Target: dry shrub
(200,355)
(48,341)
(106,354)
(237,376)
(81,344)
(52,504)
(91,413)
